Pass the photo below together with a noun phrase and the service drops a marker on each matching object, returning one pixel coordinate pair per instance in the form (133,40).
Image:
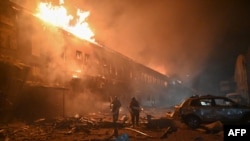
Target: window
(86,58)
(223,102)
(78,55)
(165,83)
(206,102)
(35,70)
(195,103)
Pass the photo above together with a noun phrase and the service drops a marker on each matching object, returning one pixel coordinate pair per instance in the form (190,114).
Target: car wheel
(192,121)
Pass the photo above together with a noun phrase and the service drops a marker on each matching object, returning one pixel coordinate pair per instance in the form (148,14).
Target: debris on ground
(213,127)
(99,128)
(140,132)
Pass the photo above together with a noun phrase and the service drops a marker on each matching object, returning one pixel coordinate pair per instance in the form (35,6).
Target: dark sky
(200,39)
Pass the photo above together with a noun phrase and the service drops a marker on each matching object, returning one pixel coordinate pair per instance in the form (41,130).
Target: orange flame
(59,17)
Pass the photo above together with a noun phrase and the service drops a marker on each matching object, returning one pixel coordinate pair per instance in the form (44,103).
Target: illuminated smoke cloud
(173,37)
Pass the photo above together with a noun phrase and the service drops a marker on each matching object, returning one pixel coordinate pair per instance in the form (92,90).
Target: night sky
(196,40)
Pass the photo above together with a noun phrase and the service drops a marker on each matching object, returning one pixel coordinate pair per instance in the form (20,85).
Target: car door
(206,110)
(226,110)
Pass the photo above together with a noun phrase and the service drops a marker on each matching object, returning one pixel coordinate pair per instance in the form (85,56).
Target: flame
(59,17)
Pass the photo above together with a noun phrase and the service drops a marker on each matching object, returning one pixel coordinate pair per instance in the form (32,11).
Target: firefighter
(115,108)
(135,110)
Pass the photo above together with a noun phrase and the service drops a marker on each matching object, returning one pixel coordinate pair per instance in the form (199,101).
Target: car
(197,110)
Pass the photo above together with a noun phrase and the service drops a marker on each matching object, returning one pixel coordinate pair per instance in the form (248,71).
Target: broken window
(78,55)
(35,70)
(206,102)
(195,103)
(86,58)
(223,102)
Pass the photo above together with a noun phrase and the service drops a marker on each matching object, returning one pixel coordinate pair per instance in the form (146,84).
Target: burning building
(56,69)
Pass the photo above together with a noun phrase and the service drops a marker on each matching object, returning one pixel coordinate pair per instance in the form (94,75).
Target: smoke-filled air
(175,38)
(172,37)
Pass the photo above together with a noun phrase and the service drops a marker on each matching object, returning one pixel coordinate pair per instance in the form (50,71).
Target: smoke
(154,33)
(87,102)
(173,37)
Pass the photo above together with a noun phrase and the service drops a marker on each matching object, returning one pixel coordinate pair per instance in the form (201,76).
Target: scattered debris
(159,122)
(164,135)
(213,127)
(124,119)
(137,131)
(98,128)
(169,130)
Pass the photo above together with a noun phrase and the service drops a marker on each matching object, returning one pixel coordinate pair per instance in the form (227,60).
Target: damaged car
(197,110)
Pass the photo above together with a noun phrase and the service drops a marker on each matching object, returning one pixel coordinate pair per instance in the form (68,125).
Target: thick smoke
(87,102)
(47,41)
(173,37)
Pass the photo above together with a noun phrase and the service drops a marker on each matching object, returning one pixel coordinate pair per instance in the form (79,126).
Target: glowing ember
(58,16)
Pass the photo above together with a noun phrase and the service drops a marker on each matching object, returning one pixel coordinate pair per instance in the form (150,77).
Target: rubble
(137,131)
(214,127)
(92,127)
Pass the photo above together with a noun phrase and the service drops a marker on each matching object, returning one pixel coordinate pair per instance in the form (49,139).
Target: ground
(100,128)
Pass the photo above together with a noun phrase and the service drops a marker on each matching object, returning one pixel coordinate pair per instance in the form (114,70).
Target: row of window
(211,102)
(113,71)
